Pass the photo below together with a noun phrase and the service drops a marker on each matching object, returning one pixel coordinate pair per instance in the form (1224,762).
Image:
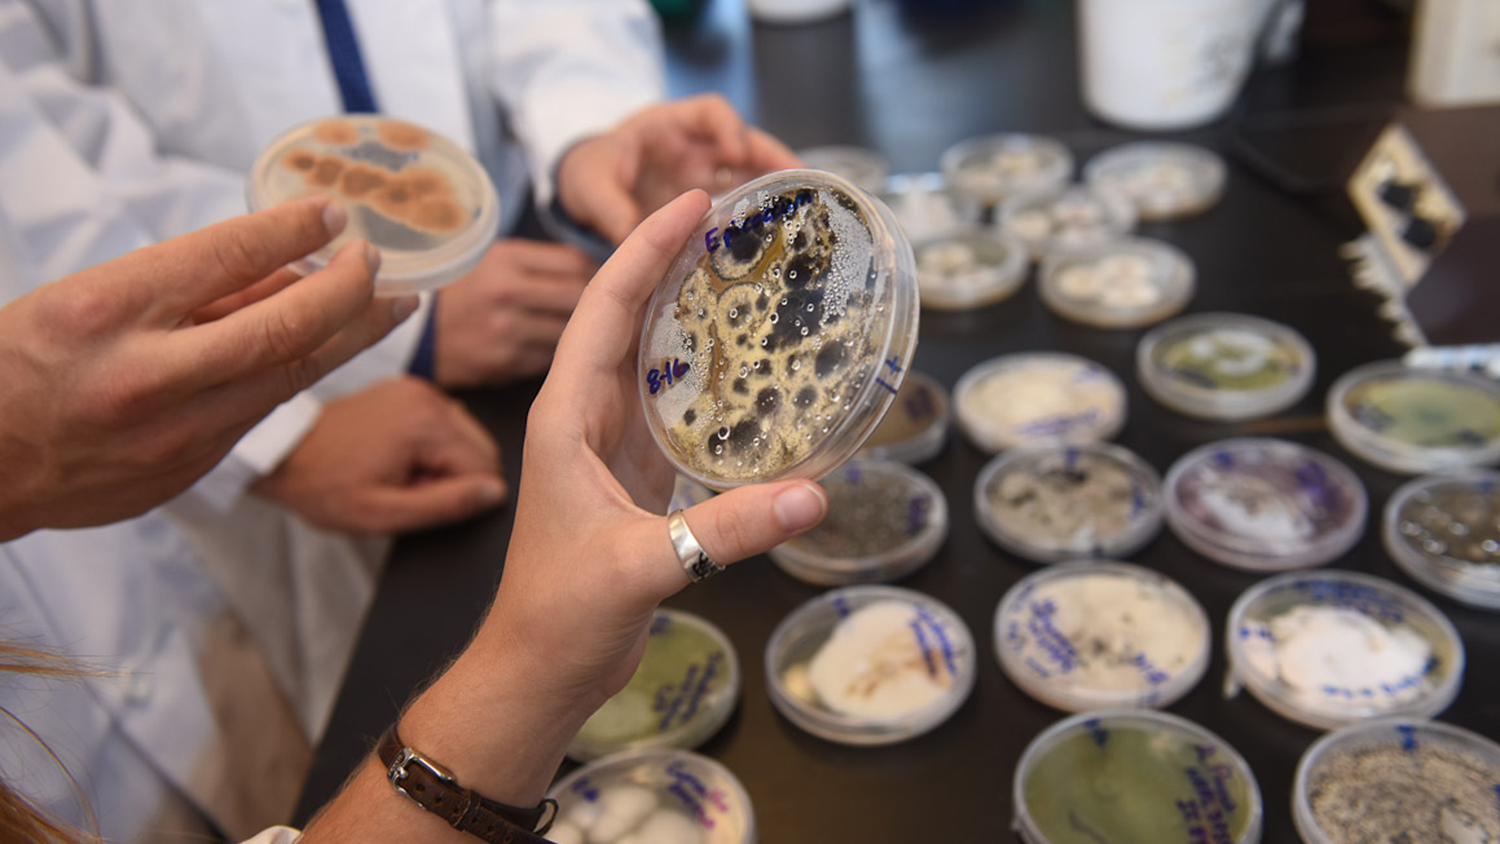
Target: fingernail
(492,492)
(334,217)
(372,258)
(403,307)
(800,507)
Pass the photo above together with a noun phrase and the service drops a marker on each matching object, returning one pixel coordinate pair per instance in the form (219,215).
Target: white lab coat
(123,123)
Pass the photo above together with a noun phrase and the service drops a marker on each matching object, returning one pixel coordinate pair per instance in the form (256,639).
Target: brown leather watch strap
(433,787)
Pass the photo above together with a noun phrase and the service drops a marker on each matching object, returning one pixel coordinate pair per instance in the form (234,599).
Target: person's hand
(394,457)
(610,182)
(120,385)
(502,321)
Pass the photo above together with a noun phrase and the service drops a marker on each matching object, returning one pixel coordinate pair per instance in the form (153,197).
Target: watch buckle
(397,771)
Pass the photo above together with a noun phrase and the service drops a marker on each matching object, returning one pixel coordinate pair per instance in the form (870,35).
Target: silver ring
(695,561)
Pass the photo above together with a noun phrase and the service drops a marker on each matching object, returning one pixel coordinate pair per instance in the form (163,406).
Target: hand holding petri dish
(425,203)
(781,334)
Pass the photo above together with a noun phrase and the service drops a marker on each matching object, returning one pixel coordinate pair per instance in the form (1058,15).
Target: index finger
(712,115)
(195,269)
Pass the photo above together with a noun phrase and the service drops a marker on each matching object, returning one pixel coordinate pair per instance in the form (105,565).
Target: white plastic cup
(796,11)
(1158,65)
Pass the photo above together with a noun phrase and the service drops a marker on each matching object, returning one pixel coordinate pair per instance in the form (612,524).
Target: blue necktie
(343,52)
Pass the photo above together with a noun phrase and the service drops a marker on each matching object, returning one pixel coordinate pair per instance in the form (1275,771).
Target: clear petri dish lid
(1416,420)
(870,665)
(923,205)
(866,168)
(1034,397)
(781,333)
(985,170)
(1126,283)
(655,794)
(971,268)
(1398,779)
(1065,217)
(1444,531)
(424,202)
(1164,181)
(1052,502)
(1328,648)
(885,520)
(1263,504)
(1101,635)
(1225,366)
(1134,775)
(683,691)
(915,428)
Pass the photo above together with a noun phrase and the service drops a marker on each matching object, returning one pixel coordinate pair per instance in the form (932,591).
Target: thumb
(751,520)
(430,503)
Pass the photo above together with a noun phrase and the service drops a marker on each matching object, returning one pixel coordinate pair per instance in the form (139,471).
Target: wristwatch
(434,788)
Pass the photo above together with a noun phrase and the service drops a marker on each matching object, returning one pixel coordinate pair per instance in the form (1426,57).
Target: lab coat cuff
(259,452)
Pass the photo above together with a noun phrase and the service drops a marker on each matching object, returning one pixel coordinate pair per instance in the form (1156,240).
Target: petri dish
(1065,217)
(1444,531)
(1049,503)
(424,202)
(969,269)
(1124,283)
(1101,635)
(1329,648)
(984,171)
(1396,779)
(1261,504)
(1035,397)
(781,333)
(1416,420)
(1225,366)
(866,168)
(1164,181)
(1134,775)
(915,428)
(683,691)
(655,794)
(870,665)
(885,520)
(923,205)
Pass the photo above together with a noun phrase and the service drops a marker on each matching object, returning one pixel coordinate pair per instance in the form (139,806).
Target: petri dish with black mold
(1416,420)
(657,795)
(1065,217)
(885,520)
(1134,775)
(781,333)
(424,202)
(984,171)
(1225,366)
(969,269)
(916,427)
(1051,502)
(1444,531)
(1033,397)
(1125,283)
(1262,504)
(1164,181)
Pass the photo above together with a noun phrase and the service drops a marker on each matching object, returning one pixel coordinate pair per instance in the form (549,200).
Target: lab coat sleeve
(81,183)
(567,69)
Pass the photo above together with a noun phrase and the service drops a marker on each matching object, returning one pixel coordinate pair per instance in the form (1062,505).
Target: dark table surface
(909,86)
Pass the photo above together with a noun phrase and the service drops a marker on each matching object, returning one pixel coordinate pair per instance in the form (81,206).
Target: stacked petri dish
(969,268)
(658,795)
(1134,775)
(1444,531)
(425,203)
(684,690)
(1125,283)
(1034,397)
(1101,635)
(1225,366)
(1065,217)
(865,168)
(1164,181)
(781,333)
(982,172)
(916,427)
(885,520)
(1416,420)
(1052,502)
(923,205)
(1328,648)
(870,665)
(1264,504)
